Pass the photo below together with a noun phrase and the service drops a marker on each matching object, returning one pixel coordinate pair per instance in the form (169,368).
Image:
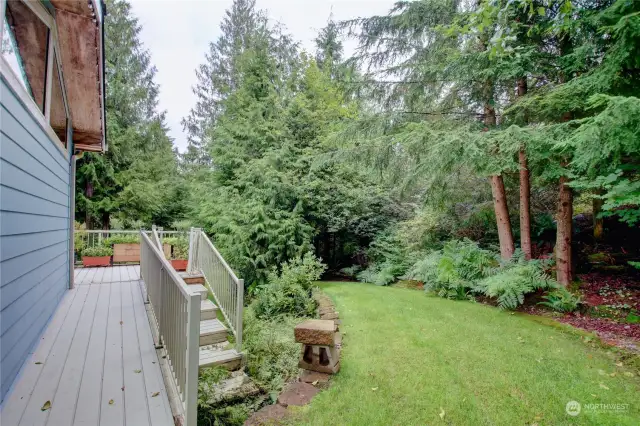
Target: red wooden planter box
(179,264)
(96,260)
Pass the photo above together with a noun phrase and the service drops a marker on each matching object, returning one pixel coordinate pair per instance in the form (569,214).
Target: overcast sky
(178,32)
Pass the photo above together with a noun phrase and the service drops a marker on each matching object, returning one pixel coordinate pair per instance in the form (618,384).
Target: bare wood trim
(90,148)
(49,77)
(41,13)
(19,90)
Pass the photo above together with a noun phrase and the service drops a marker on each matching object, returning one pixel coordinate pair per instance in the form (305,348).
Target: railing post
(239,308)
(192,364)
(190,261)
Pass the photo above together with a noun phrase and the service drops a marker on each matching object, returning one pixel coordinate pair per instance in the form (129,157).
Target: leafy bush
(272,353)
(289,292)
(97,251)
(121,239)
(302,271)
(384,274)
(513,281)
(561,300)
(180,247)
(351,271)
(453,271)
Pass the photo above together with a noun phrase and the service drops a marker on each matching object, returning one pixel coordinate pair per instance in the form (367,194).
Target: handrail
(176,316)
(226,287)
(156,238)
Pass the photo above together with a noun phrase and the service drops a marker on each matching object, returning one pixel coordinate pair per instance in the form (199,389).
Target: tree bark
(505,235)
(507,246)
(525,189)
(88,192)
(525,209)
(564,220)
(598,222)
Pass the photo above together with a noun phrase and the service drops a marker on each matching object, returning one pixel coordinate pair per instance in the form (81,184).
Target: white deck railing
(95,237)
(176,311)
(227,288)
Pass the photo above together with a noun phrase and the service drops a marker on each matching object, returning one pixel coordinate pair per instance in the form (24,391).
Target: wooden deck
(95,363)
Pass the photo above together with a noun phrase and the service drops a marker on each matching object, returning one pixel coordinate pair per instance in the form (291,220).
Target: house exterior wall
(34,231)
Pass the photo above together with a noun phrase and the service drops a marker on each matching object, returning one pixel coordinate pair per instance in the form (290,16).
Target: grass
(410,359)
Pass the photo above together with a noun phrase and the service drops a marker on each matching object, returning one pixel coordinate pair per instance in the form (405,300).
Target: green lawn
(408,358)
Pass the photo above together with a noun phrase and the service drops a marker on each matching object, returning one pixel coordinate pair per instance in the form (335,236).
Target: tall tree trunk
(598,222)
(564,216)
(88,192)
(564,220)
(106,221)
(505,235)
(525,189)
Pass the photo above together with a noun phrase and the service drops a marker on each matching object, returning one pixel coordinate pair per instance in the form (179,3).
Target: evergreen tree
(135,180)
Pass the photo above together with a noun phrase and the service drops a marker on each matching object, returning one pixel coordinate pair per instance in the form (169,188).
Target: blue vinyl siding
(34,232)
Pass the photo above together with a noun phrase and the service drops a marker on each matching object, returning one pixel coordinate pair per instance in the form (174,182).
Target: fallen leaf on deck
(442,413)
(38,363)
(153,395)
(111,402)
(121,323)
(137,371)
(46,406)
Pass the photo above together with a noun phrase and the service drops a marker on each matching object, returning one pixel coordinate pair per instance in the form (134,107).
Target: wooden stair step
(199,288)
(192,278)
(229,359)
(208,310)
(212,331)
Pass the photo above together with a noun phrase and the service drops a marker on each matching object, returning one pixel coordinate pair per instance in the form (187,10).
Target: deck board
(98,347)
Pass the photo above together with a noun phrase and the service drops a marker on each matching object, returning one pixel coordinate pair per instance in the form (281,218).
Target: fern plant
(561,300)
(513,281)
(452,272)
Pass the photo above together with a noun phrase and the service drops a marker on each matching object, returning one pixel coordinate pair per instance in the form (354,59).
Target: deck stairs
(215,349)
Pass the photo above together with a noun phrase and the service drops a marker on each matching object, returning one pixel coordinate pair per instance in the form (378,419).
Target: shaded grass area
(410,359)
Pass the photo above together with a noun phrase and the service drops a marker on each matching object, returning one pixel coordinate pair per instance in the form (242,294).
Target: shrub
(513,281)
(453,271)
(289,292)
(302,271)
(379,274)
(121,239)
(277,298)
(351,271)
(561,300)
(97,251)
(272,353)
(180,247)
